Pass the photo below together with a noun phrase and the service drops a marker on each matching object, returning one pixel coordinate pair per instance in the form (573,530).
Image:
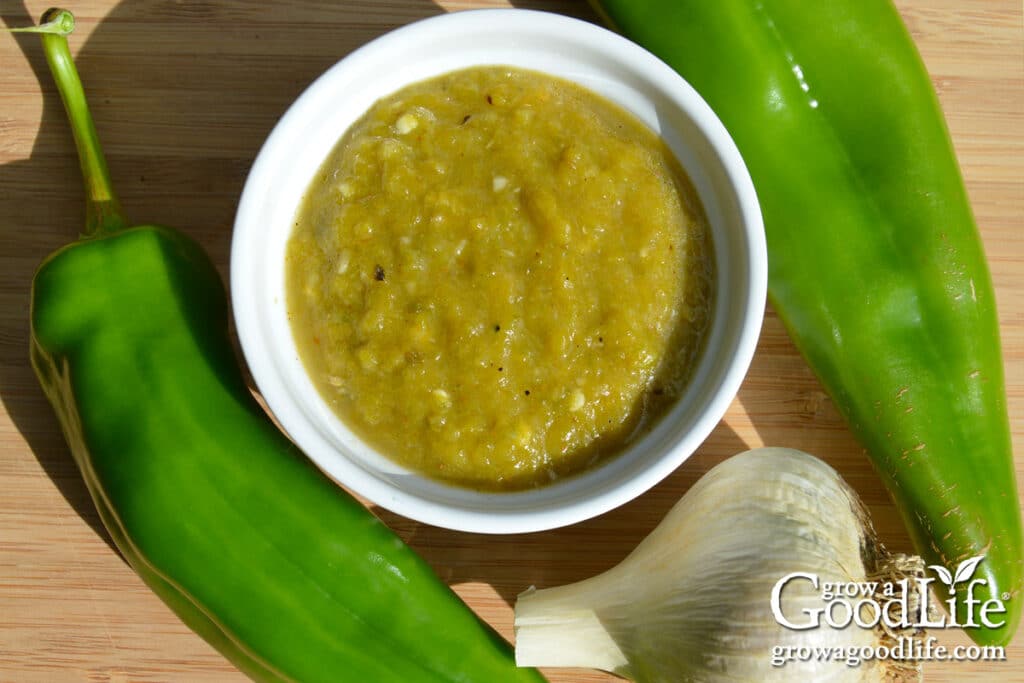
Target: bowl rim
(518,512)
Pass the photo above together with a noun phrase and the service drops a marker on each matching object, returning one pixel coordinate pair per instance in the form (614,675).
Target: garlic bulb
(694,601)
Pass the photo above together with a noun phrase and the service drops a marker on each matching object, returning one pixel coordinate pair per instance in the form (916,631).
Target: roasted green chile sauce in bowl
(498,271)
(455,272)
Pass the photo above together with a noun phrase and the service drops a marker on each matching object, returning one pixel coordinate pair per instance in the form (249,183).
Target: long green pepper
(875,262)
(222,517)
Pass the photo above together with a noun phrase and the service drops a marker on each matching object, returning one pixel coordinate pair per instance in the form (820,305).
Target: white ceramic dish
(569,48)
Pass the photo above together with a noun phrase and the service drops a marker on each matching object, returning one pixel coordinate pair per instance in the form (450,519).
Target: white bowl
(595,58)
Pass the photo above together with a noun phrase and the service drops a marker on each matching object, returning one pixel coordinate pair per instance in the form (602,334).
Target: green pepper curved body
(255,549)
(875,263)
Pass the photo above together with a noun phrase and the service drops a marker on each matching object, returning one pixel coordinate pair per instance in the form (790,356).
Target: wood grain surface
(184,94)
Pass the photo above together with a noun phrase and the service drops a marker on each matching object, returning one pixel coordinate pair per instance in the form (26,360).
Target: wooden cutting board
(184,94)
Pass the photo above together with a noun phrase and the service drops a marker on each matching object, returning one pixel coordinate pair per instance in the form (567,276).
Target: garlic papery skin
(693,601)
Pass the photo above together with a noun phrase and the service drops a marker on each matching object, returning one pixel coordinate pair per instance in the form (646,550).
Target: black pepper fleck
(527,392)
(497,328)
(465,118)
(378,274)
(489,100)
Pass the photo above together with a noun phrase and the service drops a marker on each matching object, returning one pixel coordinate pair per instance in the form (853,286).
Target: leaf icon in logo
(944,575)
(966,568)
(964,571)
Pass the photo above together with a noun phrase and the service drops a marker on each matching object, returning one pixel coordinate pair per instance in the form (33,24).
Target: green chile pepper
(256,550)
(875,263)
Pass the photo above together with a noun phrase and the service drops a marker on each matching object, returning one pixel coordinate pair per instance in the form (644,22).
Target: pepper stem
(103,210)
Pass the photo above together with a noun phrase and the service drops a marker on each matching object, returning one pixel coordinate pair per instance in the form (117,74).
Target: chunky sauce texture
(499,278)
